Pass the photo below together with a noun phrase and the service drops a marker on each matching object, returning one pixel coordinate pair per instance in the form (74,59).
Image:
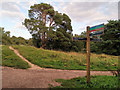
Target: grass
(10,59)
(96,82)
(67,60)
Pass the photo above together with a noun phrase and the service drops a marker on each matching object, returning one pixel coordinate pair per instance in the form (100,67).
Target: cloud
(19,25)
(11,15)
(87,12)
(10,7)
(11,12)
(13,9)
(26,5)
(85,0)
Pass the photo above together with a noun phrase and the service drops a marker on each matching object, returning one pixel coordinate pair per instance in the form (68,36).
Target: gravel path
(37,77)
(19,78)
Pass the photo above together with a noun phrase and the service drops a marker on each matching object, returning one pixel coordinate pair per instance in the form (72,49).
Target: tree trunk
(51,21)
(43,34)
(45,25)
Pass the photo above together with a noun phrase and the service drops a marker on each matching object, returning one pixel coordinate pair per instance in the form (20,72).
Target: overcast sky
(81,12)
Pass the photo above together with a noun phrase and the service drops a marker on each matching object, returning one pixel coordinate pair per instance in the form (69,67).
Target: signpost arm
(103,28)
(88,55)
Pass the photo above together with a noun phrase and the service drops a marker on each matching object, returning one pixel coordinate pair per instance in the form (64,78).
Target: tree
(30,42)
(61,35)
(5,36)
(59,32)
(40,15)
(111,39)
(1,32)
(79,45)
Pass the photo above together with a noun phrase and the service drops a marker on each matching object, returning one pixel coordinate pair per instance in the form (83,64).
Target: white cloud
(87,12)
(11,12)
(20,26)
(10,7)
(85,0)
(11,15)
(26,5)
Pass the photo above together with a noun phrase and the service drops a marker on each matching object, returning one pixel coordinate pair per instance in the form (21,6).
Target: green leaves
(59,32)
(111,39)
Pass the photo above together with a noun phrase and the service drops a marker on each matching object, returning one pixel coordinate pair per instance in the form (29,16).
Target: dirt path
(37,77)
(20,78)
(18,54)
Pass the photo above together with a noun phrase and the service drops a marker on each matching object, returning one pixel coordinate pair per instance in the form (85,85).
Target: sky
(82,13)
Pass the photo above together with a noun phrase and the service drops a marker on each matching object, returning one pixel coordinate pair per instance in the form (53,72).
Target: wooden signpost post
(88,55)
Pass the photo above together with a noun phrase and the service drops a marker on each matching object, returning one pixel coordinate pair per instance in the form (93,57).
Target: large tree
(39,16)
(49,27)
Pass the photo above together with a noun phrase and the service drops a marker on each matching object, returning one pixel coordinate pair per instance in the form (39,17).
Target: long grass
(10,59)
(67,60)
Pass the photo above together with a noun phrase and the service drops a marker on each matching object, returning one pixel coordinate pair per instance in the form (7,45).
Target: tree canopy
(48,27)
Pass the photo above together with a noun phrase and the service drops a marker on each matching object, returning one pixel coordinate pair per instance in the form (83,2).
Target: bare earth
(37,77)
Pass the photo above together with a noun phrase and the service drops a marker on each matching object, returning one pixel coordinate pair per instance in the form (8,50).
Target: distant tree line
(7,40)
(13,40)
(110,41)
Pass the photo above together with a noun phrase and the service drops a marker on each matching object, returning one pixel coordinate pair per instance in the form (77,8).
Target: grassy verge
(10,59)
(67,60)
(96,82)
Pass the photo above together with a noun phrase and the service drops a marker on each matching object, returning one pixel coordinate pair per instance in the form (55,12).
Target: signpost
(91,31)
(98,29)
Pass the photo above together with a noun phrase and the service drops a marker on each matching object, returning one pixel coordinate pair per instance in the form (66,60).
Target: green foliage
(111,39)
(10,59)
(57,36)
(100,82)
(1,31)
(74,48)
(68,60)
(30,42)
(18,40)
(5,37)
(36,24)
(80,45)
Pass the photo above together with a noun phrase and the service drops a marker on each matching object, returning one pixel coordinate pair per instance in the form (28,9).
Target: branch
(51,21)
